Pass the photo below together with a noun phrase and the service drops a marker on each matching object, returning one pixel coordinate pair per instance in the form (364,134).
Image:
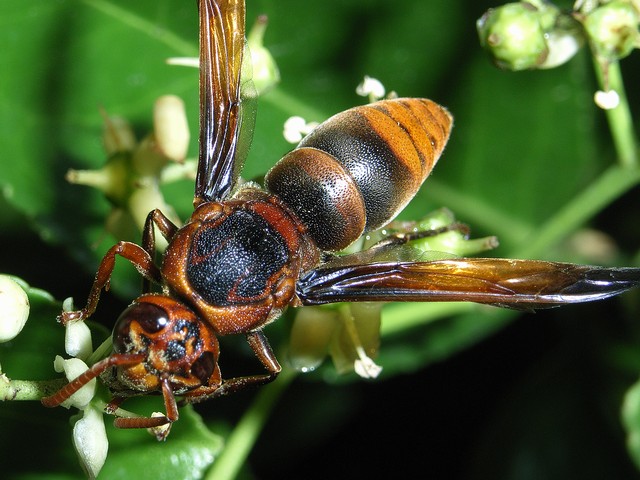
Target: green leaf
(187,454)
(631,421)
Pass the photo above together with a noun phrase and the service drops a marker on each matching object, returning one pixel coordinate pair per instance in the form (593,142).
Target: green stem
(619,118)
(246,432)
(506,227)
(606,188)
(131,19)
(28,389)
(399,317)
(292,106)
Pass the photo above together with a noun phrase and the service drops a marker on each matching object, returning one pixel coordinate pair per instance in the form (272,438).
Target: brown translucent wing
(523,284)
(222,114)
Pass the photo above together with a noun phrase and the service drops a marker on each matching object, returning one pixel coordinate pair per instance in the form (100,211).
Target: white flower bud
(77,340)
(90,441)
(170,127)
(14,306)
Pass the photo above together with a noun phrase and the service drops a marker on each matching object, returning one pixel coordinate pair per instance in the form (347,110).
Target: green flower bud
(513,35)
(357,339)
(613,29)
(112,179)
(312,331)
(265,71)
(631,421)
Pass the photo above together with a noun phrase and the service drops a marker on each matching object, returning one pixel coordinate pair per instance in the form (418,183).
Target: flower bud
(514,36)
(613,29)
(311,333)
(14,306)
(112,179)
(564,37)
(170,127)
(265,70)
(118,135)
(77,340)
(357,338)
(534,34)
(90,441)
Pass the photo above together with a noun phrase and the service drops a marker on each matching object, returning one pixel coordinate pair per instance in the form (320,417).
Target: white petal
(364,366)
(184,61)
(371,87)
(607,100)
(72,368)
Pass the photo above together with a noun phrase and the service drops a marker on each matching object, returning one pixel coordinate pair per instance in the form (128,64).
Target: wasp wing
(521,284)
(225,119)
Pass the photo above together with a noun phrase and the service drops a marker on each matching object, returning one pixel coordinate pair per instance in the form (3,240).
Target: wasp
(248,252)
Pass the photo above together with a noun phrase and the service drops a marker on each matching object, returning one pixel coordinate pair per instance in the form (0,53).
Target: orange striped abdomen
(356,171)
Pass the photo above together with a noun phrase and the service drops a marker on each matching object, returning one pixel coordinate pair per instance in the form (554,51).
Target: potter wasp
(248,252)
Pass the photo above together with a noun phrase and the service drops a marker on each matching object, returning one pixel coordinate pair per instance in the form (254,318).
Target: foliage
(531,160)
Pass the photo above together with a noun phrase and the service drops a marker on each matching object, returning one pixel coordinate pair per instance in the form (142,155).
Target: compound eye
(151,319)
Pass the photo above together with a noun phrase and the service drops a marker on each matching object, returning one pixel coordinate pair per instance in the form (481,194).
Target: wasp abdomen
(356,171)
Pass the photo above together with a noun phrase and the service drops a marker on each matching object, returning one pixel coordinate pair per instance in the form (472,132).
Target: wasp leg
(81,380)
(140,259)
(260,345)
(167,229)
(168,418)
(114,404)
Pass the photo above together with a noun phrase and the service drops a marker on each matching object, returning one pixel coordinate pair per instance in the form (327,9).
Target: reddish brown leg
(167,229)
(114,404)
(260,345)
(152,422)
(81,380)
(140,259)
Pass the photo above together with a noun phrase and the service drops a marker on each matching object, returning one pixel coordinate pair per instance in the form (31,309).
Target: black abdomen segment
(357,171)
(234,262)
